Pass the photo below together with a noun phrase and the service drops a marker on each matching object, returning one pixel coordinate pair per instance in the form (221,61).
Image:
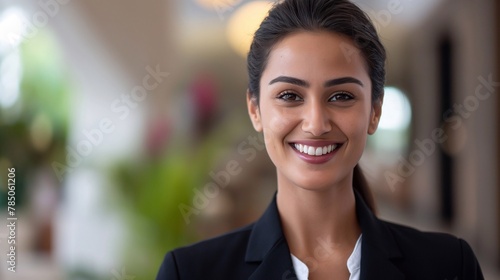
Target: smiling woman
(315,101)
(316,76)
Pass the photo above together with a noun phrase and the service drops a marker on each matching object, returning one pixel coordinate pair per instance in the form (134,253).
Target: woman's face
(315,109)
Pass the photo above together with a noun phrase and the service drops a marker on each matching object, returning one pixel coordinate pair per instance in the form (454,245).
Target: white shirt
(353,264)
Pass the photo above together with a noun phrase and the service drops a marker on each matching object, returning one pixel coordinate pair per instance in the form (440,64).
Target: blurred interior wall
(497,17)
(128,40)
(119,54)
(454,87)
(110,44)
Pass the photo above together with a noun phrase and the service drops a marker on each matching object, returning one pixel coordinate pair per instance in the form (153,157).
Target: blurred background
(127,127)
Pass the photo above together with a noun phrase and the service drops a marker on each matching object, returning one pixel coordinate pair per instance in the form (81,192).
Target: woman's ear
(375,115)
(254,112)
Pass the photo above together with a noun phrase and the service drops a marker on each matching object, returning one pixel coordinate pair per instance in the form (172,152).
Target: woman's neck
(318,222)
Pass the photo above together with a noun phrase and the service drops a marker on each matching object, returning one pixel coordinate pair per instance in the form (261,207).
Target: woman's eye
(289,96)
(341,96)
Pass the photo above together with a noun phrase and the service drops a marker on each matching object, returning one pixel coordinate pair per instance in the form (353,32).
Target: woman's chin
(319,184)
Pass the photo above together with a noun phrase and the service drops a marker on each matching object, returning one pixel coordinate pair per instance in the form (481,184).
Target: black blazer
(388,251)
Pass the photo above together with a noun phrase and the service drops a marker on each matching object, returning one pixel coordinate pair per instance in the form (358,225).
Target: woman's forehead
(316,55)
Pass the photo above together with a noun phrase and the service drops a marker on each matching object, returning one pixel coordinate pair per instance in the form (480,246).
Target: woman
(316,76)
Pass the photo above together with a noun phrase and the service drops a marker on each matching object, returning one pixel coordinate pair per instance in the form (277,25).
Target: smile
(315,151)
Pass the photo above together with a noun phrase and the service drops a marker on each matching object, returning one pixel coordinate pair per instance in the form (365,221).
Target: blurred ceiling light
(396,110)
(41,132)
(10,79)
(218,4)
(243,24)
(12,28)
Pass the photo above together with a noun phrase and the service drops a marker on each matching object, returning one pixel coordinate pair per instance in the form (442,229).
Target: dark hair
(337,16)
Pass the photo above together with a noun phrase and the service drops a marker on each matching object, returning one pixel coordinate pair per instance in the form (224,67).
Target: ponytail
(361,185)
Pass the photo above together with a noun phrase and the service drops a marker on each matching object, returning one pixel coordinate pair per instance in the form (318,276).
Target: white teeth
(315,151)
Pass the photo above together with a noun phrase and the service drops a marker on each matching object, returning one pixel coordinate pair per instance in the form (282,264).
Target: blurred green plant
(154,189)
(33,130)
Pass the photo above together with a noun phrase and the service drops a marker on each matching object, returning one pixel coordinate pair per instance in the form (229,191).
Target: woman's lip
(316,159)
(316,143)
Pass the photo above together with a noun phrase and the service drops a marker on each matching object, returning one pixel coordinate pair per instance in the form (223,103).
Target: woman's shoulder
(218,257)
(407,236)
(219,244)
(430,249)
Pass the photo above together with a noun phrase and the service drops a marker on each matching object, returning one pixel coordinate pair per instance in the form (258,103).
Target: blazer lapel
(267,246)
(378,247)
(277,264)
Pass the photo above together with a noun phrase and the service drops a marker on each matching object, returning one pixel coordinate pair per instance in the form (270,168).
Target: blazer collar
(378,247)
(267,244)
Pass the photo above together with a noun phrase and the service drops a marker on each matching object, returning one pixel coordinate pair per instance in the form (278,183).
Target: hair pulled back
(336,16)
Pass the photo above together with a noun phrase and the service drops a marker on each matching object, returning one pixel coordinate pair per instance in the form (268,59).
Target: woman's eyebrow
(343,80)
(302,83)
(290,80)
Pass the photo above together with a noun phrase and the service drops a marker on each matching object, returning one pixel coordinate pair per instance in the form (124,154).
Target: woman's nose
(316,119)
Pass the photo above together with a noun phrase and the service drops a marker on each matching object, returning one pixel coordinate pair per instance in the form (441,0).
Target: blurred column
(469,122)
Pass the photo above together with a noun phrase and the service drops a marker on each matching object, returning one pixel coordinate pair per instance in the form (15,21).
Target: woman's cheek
(358,122)
(278,125)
